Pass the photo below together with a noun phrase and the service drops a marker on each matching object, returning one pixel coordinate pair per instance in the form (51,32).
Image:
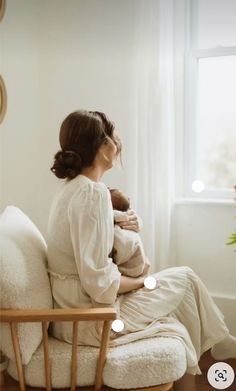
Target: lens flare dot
(198,186)
(117,325)
(150,282)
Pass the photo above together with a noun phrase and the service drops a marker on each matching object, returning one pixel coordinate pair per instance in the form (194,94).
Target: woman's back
(58,237)
(80,235)
(60,247)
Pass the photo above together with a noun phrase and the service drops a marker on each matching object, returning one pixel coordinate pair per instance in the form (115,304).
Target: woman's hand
(128,220)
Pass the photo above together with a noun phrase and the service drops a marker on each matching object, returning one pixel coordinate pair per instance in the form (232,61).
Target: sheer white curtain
(149,143)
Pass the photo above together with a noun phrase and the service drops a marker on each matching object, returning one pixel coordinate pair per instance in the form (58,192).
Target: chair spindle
(47,364)
(74,357)
(102,353)
(16,347)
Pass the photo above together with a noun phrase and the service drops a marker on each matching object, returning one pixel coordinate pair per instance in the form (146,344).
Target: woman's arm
(128,284)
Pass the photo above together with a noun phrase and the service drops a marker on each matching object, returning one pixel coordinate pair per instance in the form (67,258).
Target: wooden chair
(107,315)
(40,360)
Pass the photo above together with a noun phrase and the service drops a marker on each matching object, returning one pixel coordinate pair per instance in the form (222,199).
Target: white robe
(80,237)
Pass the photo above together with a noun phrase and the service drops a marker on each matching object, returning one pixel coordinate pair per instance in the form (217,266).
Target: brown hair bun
(67,164)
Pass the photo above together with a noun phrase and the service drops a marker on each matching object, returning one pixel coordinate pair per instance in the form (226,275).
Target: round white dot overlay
(198,186)
(220,375)
(150,282)
(117,325)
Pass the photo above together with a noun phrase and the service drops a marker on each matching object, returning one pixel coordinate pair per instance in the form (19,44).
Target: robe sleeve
(91,227)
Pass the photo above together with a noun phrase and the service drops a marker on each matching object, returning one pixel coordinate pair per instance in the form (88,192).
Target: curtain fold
(149,143)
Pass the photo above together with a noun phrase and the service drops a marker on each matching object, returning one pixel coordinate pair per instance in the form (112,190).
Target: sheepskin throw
(24,281)
(143,363)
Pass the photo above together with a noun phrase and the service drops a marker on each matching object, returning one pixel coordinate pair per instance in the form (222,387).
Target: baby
(128,252)
(119,200)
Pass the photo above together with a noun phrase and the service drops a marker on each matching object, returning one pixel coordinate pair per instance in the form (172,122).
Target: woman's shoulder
(86,190)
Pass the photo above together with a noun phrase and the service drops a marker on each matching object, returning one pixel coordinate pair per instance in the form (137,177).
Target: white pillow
(24,282)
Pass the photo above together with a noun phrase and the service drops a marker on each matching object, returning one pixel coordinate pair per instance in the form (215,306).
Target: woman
(80,237)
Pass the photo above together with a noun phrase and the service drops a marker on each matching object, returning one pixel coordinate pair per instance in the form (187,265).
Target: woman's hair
(82,133)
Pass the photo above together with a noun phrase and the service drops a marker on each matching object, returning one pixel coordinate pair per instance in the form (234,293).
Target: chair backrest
(26,299)
(24,280)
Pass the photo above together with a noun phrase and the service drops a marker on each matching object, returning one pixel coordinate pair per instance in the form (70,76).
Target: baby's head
(119,200)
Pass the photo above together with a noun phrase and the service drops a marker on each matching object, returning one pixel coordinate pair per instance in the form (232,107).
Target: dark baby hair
(119,200)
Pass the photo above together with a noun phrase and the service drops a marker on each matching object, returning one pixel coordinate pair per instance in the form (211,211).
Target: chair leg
(2,378)
(3,366)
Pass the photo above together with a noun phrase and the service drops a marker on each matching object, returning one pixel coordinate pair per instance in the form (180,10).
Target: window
(210,98)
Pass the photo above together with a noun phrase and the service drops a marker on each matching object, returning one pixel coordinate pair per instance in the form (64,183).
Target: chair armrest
(57,314)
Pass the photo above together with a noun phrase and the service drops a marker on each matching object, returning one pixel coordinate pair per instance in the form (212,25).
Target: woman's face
(107,153)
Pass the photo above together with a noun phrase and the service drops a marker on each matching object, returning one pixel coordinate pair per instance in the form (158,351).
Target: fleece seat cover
(148,362)
(24,281)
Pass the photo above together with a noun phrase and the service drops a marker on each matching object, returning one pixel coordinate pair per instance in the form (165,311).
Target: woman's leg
(204,321)
(200,316)
(185,383)
(225,348)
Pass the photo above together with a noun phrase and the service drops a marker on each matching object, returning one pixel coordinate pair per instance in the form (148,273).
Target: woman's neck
(93,173)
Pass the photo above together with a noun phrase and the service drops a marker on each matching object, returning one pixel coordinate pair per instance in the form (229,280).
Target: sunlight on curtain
(149,145)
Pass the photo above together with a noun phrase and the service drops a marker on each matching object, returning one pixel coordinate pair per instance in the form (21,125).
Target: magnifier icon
(220,375)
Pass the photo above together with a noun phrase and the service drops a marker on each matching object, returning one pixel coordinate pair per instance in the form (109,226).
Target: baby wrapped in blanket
(128,252)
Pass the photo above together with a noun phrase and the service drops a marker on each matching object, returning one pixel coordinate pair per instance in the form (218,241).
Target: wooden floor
(202,382)
(205,363)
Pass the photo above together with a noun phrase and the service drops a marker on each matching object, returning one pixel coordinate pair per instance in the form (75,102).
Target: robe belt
(61,276)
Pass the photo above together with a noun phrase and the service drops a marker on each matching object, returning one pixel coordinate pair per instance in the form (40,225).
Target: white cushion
(142,363)
(24,280)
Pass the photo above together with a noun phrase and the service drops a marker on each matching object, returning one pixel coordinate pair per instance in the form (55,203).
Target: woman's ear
(102,157)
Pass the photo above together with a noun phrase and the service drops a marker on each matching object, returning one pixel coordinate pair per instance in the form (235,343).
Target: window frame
(191,57)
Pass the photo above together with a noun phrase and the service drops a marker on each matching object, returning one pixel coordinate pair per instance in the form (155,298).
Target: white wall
(20,131)
(26,181)
(57,56)
(201,230)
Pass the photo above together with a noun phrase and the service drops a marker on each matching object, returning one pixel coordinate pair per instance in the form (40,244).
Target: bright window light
(216,130)
(209,98)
